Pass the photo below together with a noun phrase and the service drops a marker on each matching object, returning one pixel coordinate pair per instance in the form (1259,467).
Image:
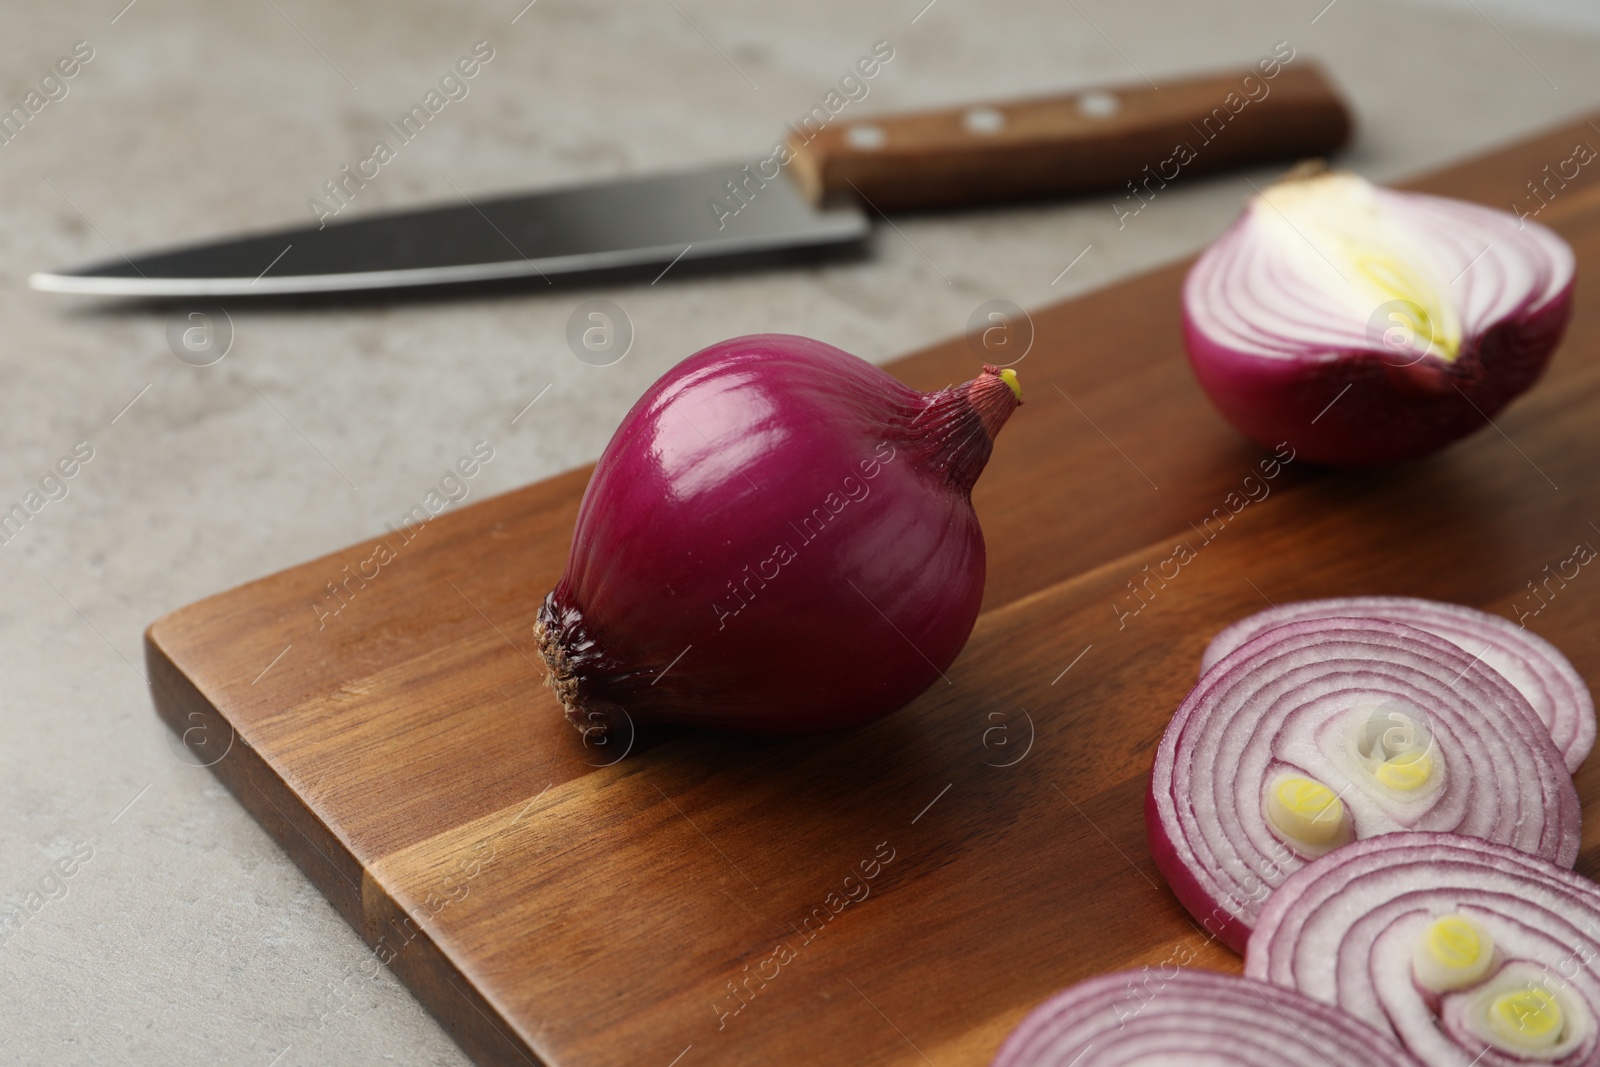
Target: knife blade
(631,222)
(814,190)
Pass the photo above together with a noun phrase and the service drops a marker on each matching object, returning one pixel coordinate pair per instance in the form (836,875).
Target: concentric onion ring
(1529,662)
(1187,1019)
(1345,930)
(1299,704)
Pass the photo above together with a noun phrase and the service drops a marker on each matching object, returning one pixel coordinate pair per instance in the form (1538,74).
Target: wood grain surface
(905,892)
(1132,139)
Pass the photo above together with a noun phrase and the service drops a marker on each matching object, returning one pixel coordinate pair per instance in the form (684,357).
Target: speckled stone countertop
(151,920)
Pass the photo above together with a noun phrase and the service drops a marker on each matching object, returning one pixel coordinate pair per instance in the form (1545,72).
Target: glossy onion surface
(779,538)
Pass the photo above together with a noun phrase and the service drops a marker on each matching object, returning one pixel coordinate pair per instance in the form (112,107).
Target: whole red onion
(1366,326)
(778,539)
(1464,951)
(1151,1017)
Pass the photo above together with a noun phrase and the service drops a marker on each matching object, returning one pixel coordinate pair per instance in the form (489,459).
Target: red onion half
(1466,952)
(1190,1019)
(1364,325)
(1320,732)
(779,538)
(1535,666)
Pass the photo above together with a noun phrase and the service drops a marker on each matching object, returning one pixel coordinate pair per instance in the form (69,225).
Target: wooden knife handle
(1092,140)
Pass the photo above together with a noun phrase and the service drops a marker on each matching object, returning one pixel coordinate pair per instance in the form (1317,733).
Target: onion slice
(1324,731)
(1189,1018)
(1348,930)
(1529,662)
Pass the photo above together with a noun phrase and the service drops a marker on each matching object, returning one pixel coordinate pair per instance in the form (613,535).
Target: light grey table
(185,936)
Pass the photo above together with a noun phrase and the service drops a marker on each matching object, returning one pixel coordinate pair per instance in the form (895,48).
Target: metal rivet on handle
(865,136)
(983,120)
(1098,104)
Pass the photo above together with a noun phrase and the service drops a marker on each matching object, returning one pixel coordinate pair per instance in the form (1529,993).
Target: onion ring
(1324,731)
(1189,1018)
(1529,662)
(1353,929)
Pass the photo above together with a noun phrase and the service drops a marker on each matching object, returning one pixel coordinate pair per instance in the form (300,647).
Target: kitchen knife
(1132,141)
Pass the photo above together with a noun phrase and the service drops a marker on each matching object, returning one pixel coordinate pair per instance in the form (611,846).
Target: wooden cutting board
(905,892)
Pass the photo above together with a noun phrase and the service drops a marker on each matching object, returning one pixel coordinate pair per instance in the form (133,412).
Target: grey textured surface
(188,937)
(1583,15)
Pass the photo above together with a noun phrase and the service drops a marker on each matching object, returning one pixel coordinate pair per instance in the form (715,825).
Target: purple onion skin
(679,603)
(1391,414)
